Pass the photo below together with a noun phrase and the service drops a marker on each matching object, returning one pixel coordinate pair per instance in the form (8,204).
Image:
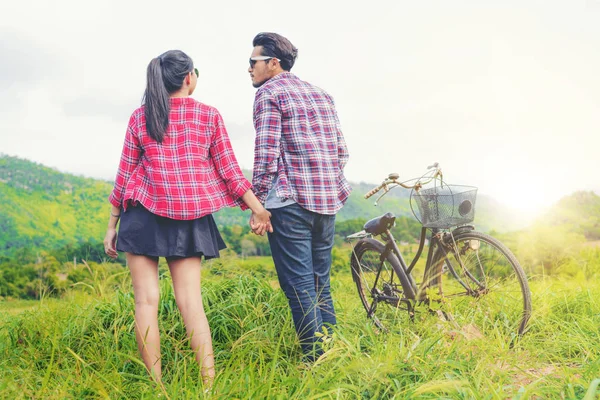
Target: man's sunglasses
(253,60)
(196,71)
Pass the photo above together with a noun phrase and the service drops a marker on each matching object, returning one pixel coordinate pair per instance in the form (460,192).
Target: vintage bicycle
(469,277)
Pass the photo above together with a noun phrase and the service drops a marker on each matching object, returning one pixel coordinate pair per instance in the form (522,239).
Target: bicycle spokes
(486,282)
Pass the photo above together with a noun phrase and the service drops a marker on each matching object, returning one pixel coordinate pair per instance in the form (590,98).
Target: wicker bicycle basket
(444,206)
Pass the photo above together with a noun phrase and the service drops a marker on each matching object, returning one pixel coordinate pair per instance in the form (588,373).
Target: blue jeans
(301,245)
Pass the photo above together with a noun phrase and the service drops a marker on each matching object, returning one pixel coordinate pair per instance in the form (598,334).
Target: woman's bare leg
(186,283)
(144,275)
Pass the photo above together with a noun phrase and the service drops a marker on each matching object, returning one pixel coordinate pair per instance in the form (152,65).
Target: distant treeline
(50,221)
(31,272)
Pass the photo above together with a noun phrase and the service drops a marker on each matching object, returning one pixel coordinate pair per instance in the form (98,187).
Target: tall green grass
(83,346)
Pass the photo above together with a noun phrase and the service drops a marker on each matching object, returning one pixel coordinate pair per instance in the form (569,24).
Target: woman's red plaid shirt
(192,173)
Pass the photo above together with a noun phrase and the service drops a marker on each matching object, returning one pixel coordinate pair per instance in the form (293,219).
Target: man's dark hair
(165,75)
(275,45)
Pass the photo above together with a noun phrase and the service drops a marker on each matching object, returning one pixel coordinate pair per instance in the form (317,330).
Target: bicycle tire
(365,265)
(494,290)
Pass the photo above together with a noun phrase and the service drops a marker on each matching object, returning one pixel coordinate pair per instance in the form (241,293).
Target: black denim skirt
(144,233)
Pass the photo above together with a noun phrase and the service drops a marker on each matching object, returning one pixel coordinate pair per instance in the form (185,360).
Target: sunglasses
(253,60)
(196,72)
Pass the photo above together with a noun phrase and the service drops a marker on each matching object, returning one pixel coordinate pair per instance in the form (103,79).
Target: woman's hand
(110,241)
(260,222)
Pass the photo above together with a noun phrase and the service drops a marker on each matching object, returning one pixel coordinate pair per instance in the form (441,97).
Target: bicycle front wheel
(486,287)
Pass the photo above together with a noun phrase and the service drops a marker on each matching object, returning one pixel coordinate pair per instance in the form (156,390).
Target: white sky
(505,95)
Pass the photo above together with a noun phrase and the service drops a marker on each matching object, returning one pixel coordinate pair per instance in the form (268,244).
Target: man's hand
(261,222)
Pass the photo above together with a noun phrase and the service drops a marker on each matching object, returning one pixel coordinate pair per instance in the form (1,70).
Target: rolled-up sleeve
(224,160)
(130,158)
(343,155)
(267,123)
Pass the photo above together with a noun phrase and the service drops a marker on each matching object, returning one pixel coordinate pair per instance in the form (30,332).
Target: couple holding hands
(177,168)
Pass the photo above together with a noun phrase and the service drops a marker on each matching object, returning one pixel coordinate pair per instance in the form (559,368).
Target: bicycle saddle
(379,225)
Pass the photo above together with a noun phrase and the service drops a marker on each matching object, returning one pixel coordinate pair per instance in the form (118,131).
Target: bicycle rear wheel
(487,287)
(379,283)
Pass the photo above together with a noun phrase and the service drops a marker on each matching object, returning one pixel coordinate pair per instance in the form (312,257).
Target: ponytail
(157,102)
(165,76)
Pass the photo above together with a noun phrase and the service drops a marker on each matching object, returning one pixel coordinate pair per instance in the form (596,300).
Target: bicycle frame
(417,293)
(437,253)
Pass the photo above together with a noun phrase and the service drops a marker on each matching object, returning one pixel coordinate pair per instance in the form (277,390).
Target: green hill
(580,212)
(42,208)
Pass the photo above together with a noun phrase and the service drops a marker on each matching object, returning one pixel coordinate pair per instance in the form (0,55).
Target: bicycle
(483,278)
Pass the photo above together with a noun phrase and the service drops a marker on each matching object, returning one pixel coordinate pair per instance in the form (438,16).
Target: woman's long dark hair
(165,76)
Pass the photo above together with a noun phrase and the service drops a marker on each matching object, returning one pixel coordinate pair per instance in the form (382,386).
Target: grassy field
(83,346)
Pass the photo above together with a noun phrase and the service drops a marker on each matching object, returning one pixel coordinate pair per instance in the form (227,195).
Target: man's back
(312,152)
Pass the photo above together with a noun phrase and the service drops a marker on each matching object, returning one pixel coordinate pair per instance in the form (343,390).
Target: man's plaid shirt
(192,173)
(299,139)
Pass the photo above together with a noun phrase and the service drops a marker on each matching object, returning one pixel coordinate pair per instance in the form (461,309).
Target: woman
(177,168)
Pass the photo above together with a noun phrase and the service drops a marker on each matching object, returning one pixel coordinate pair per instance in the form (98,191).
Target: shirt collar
(180,100)
(282,75)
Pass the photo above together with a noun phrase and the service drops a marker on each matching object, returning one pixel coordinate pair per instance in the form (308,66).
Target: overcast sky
(504,94)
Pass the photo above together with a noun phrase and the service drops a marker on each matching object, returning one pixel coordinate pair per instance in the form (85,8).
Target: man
(299,158)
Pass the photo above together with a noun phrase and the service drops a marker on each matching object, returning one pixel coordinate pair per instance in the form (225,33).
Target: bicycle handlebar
(393,179)
(375,190)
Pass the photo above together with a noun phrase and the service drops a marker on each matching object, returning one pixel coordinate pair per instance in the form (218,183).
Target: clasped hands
(260,222)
